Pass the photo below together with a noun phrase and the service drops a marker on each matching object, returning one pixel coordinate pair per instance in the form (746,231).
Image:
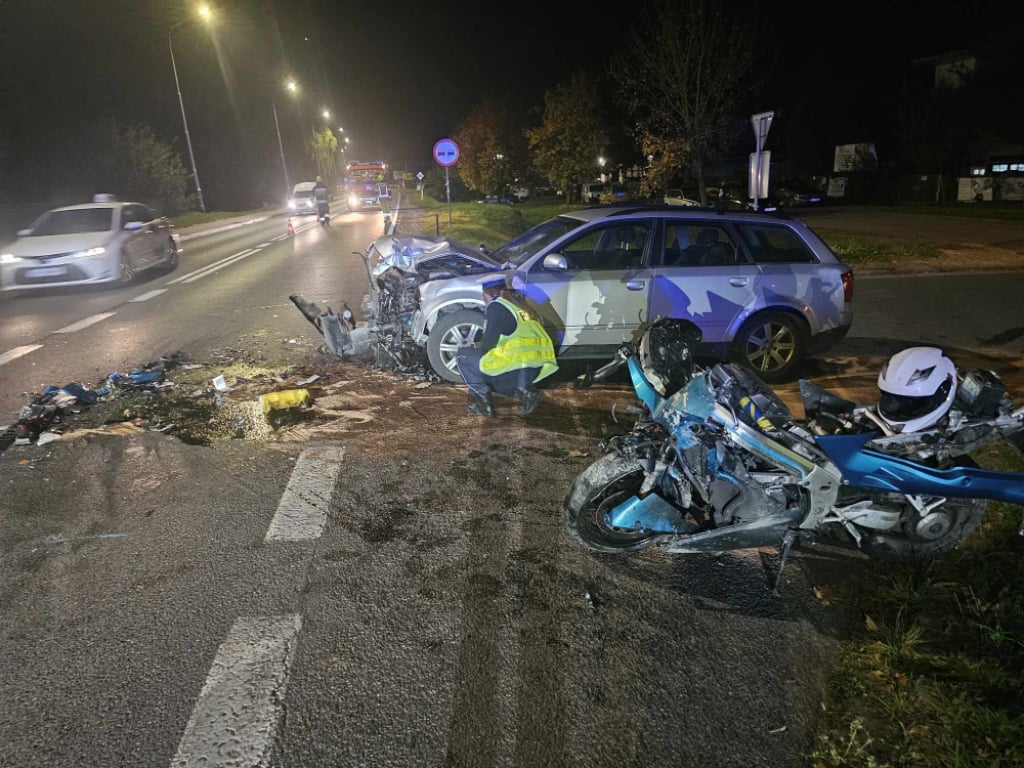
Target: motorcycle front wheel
(599,488)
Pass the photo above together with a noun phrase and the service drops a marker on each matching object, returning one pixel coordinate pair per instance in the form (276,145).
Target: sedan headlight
(88,253)
(9,258)
(353,201)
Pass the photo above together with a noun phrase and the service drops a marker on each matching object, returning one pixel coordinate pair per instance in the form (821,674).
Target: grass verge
(932,671)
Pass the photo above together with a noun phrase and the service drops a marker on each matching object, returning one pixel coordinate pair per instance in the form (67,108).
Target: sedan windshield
(519,249)
(74,221)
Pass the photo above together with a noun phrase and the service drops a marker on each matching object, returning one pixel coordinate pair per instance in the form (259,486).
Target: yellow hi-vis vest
(528,347)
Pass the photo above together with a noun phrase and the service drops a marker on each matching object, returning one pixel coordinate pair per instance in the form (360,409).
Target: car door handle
(636,285)
(739,281)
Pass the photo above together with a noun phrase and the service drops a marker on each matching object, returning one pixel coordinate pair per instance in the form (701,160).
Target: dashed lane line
(235,719)
(150,295)
(85,322)
(14,354)
(302,512)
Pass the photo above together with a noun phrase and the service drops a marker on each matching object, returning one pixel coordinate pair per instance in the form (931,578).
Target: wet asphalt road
(434,612)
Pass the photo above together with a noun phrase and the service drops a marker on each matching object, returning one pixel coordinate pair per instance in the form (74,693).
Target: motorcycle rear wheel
(600,487)
(940,532)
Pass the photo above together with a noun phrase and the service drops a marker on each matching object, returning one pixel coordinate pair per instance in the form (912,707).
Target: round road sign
(446,152)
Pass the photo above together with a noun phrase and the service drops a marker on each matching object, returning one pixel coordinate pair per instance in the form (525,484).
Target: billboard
(855,157)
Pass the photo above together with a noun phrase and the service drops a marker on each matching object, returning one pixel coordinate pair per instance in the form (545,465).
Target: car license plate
(46,272)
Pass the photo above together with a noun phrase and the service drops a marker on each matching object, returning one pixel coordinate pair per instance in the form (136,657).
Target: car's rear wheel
(452,332)
(772,344)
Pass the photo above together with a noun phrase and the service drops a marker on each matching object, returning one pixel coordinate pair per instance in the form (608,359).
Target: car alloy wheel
(772,344)
(452,332)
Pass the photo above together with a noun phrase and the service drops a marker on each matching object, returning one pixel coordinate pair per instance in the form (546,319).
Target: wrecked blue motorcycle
(715,461)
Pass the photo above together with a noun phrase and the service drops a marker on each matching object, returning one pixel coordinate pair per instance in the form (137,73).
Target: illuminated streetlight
(204,13)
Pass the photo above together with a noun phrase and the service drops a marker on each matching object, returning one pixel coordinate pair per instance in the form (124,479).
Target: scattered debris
(220,385)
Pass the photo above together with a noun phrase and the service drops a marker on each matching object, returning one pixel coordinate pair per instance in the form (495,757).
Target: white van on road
(303,201)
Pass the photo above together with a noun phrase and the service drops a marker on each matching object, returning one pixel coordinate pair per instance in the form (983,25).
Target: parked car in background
(677,197)
(794,195)
(592,192)
(765,292)
(614,193)
(106,241)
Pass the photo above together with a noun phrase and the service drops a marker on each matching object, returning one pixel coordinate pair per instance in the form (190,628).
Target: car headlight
(291,204)
(353,201)
(88,253)
(9,258)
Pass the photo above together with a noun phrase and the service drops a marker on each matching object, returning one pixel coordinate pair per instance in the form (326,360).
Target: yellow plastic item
(289,398)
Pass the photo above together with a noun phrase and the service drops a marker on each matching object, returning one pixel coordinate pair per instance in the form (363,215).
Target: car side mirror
(132,226)
(555,262)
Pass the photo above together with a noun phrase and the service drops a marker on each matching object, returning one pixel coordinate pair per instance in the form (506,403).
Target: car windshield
(519,249)
(74,221)
(306,193)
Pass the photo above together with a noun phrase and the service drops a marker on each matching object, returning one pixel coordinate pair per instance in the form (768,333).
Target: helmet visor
(899,408)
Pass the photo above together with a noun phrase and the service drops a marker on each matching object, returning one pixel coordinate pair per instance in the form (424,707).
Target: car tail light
(848,286)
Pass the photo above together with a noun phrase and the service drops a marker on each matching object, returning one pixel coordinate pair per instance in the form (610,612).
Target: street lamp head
(204,11)
(327,114)
(292,86)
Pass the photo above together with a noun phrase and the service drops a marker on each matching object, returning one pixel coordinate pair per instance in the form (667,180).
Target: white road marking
(14,354)
(235,719)
(150,295)
(196,274)
(85,323)
(302,512)
(262,245)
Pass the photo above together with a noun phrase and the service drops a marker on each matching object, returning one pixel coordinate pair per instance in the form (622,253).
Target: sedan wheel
(127,276)
(772,345)
(452,332)
(170,255)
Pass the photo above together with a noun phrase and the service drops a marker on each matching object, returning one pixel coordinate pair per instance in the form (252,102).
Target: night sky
(398,75)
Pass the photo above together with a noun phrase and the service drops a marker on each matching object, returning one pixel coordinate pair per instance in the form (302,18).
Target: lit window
(1000,168)
(977,171)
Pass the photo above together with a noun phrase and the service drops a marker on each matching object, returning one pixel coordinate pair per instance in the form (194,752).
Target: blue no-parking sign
(446,152)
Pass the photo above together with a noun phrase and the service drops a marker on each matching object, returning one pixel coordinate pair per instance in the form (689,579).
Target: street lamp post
(188,139)
(280,146)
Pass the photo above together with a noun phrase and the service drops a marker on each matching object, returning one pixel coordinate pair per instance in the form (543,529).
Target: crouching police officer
(513,355)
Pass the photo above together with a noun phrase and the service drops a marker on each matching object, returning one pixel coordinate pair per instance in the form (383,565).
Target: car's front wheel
(452,332)
(127,272)
(170,255)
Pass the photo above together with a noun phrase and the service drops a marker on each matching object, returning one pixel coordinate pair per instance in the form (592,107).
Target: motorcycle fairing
(651,513)
(870,469)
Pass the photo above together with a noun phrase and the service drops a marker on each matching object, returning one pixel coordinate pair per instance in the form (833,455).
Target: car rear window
(74,221)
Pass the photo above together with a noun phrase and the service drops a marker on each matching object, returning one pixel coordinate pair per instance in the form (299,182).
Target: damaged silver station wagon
(765,291)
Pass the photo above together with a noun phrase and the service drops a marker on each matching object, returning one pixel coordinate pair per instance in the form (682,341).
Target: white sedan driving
(106,241)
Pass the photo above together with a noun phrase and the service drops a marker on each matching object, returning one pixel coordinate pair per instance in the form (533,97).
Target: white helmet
(917,388)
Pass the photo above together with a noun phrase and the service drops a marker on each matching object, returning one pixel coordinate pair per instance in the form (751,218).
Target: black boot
(480,405)
(528,397)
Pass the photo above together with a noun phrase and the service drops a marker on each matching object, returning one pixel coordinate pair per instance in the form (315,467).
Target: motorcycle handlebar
(606,370)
